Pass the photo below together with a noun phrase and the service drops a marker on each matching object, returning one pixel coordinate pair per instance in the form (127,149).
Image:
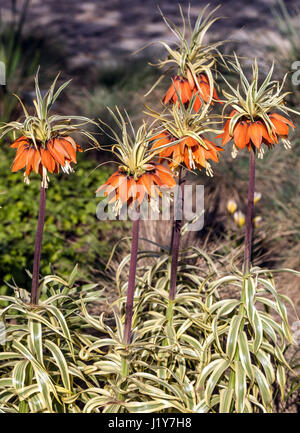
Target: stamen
(260,153)
(45,178)
(67,168)
(191,159)
(26,179)
(117,207)
(234,151)
(209,170)
(154,204)
(286,143)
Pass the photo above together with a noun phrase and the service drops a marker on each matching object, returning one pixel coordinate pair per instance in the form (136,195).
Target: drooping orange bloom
(57,152)
(186,88)
(247,132)
(182,87)
(188,151)
(203,93)
(126,188)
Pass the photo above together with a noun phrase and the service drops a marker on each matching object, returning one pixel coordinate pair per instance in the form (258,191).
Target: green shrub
(73,234)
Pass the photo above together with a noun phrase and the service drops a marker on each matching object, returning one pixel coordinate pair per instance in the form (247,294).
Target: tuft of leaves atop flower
(42,127)
(255,101)
(130,146)
(192,56)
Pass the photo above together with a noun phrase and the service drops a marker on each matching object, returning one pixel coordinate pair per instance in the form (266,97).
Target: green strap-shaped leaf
(226,400)
(214,379)
(6,382)
(258,330)
(112,408)
(61,363)
(36,404)
(281,379)
(265,360)
(148,407)
(19,375)
(264,387)
(45,383)
(240,386)
(233,334)
(9,355)
(73,276)
(28,391)
(244,354)
(224,307)
(35,329)
(64,327)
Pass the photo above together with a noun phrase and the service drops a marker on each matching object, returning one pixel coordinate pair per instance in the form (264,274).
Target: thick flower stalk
(38,246)
(183,144)
(176,234)
(250,213)
(137,180)
(254,121)
(193,60)
(44,146)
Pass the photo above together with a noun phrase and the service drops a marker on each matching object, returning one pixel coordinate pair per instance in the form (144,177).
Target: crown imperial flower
(138,177)
(182,139)
(194,60)
(253,120)
(45,144)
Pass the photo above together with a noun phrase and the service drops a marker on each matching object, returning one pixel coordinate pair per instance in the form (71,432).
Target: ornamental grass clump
(40,368)
(217,355)
(45,146)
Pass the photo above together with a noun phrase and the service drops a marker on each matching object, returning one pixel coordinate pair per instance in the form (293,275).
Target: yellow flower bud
(231,206)
(239,218)
(257,197)
(257,221)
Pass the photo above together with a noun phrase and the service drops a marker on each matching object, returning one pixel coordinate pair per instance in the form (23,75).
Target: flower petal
(280,127)
(240,134)
(255,133)
(282,118)
(20,160)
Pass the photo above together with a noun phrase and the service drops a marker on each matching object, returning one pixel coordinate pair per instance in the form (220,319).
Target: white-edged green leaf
(226,400)
(281,379)
(35,329)
(240,386)
(234,330)
(244,354)
(61,363)
(214,378)
(264,387)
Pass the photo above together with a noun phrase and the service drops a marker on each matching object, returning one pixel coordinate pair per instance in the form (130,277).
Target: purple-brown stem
(38,247)
(250,211)
(131,280)
(178,213)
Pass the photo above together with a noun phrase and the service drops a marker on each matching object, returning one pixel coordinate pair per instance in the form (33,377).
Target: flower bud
(239,218)
(257,197)
(231,206)
(257,221)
